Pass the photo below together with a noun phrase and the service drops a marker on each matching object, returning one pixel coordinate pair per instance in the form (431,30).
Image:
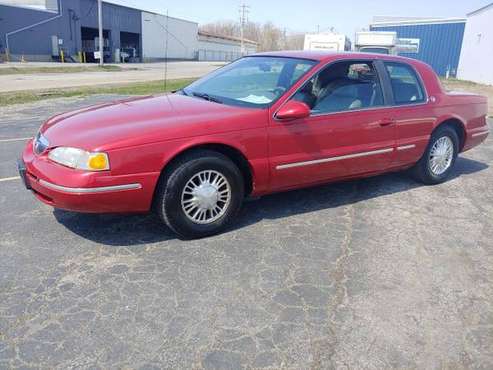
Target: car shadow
(115,229)
(127,230)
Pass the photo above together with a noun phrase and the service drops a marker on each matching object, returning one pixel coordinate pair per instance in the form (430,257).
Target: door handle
(386,122)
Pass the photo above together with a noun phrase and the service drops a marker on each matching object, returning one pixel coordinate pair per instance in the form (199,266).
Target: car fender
(447,117)
(257,161)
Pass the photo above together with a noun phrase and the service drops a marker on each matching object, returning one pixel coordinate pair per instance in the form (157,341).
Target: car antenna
(166,54)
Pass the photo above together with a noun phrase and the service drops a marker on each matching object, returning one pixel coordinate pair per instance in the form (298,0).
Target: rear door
(350,130)
(414,119)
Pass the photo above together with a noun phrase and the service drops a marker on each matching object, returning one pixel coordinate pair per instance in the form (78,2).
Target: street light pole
(100,26)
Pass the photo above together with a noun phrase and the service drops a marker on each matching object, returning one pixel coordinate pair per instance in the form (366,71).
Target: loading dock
(129,46)
(90,43)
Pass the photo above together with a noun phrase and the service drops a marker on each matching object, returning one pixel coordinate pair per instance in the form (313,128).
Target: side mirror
(293,109)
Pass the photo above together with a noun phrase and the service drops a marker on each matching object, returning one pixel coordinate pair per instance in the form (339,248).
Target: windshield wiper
(206,96)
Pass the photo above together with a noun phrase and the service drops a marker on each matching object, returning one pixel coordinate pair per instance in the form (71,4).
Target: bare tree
(268,36)
(226,28)
(295,41)
(271,37)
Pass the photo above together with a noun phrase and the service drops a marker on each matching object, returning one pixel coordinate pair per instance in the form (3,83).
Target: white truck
(376,42)
(384,42)
(327,41)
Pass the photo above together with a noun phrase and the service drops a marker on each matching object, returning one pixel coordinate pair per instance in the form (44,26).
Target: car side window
(406,86)
(342,86)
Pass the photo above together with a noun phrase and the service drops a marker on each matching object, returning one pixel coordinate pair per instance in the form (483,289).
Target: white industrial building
(182,38)
(186,42)
(477,47)
(222,48)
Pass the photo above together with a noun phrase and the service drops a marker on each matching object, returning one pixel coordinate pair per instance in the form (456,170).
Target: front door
(348,133)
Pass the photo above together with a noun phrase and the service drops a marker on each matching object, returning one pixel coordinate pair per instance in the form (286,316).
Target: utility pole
(244,9)
(100,26)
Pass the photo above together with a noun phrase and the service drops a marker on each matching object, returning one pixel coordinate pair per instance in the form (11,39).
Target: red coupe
(265,123)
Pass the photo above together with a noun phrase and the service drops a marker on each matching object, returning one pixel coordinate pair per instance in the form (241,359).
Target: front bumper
(83,191)
(21,167)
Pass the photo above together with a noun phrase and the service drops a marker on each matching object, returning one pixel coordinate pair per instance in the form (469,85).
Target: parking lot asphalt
(377,273)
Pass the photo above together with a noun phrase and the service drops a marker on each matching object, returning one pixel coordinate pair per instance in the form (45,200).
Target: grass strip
(136,88)
(34,70)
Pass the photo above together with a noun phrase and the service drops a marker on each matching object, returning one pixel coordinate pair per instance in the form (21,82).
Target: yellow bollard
(62,57)
(84,56)
(80,57)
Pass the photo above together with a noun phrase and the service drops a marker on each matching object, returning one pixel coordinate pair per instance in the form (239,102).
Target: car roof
(325,56)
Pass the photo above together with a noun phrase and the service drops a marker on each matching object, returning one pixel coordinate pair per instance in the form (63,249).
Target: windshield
(250,81)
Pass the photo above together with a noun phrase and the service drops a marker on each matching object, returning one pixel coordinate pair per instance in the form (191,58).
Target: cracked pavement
(376,273)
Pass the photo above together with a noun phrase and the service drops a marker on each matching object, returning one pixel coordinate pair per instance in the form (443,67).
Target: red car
(265,123)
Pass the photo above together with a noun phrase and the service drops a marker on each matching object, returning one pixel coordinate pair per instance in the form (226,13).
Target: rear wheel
(200,194)
(438,161)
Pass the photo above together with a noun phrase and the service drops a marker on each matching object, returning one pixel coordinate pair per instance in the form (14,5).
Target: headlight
(80,159)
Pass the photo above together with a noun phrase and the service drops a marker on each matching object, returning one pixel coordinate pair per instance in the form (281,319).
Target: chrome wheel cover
(441,155)
(206,197)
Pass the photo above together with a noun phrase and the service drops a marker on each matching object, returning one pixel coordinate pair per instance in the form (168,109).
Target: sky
(307,15)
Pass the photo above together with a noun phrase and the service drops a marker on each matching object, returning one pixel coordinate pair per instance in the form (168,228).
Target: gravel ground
(378,273)
(130,73)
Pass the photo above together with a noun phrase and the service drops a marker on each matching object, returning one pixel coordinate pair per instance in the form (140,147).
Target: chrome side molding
(90,190)
(480,133)
(332,159)
(406,147)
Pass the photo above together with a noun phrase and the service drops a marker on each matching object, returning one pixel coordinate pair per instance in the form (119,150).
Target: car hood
(140,121)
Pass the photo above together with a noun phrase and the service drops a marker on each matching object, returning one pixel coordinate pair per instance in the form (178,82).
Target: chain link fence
(218,55)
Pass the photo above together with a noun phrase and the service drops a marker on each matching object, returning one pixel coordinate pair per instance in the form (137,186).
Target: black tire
(422,170)
(168,197)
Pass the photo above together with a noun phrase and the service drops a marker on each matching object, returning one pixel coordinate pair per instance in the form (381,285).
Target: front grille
(40,144)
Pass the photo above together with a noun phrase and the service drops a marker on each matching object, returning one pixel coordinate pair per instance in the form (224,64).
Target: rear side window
(405,84)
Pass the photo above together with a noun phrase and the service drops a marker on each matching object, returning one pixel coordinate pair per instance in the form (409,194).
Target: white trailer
(327,41)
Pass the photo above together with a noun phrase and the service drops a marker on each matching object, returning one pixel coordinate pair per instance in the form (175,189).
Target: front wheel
(200,194)
(438,161)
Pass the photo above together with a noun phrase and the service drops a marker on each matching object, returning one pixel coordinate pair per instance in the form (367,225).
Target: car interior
(342,86)
(405,85)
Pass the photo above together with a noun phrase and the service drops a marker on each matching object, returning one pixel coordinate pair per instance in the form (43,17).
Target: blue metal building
(440,40)
(40,34)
